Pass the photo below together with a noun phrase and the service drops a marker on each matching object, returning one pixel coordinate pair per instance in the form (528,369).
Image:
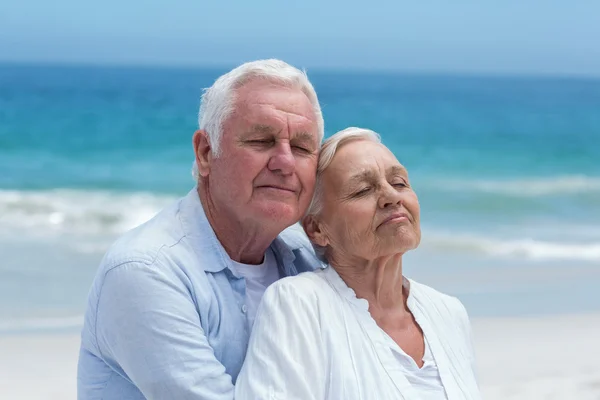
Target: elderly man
(171,308)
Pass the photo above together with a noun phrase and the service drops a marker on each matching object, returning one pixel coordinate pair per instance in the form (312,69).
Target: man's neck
(244,241)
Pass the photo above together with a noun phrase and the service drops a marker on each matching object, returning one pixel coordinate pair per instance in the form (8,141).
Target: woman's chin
(403,239)
(405,244)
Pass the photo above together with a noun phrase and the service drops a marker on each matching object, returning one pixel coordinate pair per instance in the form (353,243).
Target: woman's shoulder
(444,304)
(306,288)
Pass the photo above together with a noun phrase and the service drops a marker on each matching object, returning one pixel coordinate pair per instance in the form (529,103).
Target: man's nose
(282,161)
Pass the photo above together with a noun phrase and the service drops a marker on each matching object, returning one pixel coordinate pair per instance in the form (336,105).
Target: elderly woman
(358,329)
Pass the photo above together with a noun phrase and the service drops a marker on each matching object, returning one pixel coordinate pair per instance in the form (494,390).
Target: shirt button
(244,308)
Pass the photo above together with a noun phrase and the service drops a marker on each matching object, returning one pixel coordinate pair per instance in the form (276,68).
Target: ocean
(507,170)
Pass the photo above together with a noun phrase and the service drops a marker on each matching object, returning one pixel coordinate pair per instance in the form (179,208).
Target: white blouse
(426,381)
(314,339)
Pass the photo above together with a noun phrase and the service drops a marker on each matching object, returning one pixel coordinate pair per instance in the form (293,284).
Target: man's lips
(278,187)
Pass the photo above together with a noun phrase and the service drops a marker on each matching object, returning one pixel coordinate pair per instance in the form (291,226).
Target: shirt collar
(285,257)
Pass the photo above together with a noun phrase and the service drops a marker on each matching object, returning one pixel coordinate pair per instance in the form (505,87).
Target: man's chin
(279,213)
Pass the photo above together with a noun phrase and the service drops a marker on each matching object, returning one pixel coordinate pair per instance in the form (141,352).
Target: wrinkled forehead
(362,164)
(266,107)
(286,98)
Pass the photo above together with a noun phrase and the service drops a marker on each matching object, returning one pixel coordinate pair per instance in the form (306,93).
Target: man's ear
(314,230)
(203,152)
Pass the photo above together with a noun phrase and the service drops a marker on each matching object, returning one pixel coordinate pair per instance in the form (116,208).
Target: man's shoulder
(163,244)
(143,243)
(158,255)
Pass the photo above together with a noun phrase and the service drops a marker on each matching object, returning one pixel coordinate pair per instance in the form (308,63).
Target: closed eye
(362,192)
(302,149)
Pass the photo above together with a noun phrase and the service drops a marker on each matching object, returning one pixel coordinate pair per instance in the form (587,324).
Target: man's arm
(147,325)
(285,358)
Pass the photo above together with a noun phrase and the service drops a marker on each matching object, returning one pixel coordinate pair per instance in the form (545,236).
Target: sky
(502,37)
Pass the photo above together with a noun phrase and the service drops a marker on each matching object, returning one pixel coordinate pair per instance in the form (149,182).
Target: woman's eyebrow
(360,177)
(397,170)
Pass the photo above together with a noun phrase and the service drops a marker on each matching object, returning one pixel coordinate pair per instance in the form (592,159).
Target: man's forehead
(268,108)
(265,95)
(261,91)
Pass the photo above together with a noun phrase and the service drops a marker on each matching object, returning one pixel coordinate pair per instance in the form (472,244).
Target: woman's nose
(390,196)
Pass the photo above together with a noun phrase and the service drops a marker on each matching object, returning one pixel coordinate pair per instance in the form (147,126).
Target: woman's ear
(314,230)
(203,152)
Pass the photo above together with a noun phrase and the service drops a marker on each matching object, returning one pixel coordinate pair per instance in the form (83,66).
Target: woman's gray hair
(328,151)
(217,101)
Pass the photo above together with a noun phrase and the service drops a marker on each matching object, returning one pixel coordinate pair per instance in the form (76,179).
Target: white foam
(77,212)
(527,187)
(515,248)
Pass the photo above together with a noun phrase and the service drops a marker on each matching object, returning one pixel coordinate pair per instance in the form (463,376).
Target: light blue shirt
(166,314)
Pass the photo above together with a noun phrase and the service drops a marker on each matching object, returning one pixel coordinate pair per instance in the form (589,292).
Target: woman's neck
(378,281)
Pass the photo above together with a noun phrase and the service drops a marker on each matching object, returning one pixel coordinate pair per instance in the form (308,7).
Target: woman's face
(369,209)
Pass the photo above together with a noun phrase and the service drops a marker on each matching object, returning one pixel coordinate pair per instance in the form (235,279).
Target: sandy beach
(555,357)
(539,358)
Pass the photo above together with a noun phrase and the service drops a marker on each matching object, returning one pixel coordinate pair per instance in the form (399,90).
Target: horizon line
(338,69)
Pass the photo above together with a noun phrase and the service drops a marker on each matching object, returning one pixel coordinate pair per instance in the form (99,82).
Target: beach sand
(539,358)
(555,357)
(40,367)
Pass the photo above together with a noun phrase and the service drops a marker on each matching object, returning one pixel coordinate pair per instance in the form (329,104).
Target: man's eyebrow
(262,129)
(304,136)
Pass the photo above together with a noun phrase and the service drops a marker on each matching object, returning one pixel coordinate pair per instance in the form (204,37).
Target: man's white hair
(328,151)
(218,100)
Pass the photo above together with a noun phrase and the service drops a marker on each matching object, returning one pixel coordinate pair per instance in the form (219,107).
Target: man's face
(268,156)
